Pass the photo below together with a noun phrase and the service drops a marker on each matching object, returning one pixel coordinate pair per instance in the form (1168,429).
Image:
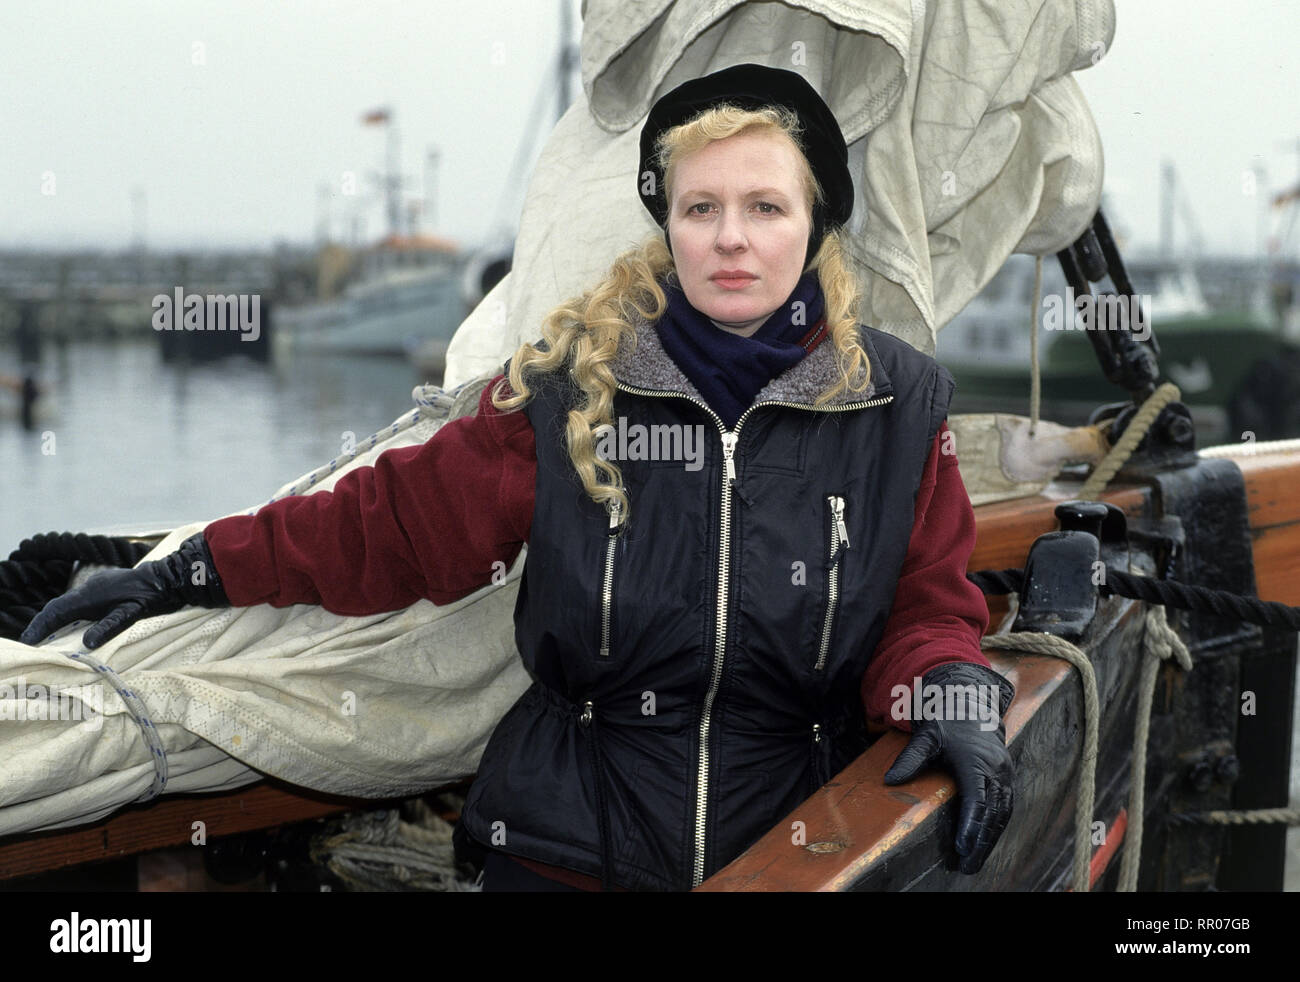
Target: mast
(392,177)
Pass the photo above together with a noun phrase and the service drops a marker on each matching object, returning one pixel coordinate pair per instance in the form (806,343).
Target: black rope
(1187,596)
(1237,816)
(40,568)
(1168,593)
(100,550)
(996,582)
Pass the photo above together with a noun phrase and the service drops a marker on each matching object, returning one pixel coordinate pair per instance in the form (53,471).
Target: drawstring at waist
(588,722)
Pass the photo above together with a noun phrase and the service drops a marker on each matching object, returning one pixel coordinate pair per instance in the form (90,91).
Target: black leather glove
(121,596)
(972,750)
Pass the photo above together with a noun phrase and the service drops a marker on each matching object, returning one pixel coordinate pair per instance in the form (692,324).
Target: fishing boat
(408,294)
(405,292)
(1124,567)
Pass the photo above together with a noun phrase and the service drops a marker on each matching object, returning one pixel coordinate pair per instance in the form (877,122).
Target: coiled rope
(40,568)
(381,850)
(1158,642)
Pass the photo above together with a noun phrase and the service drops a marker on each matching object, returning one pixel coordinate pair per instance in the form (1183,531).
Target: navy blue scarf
(729,369)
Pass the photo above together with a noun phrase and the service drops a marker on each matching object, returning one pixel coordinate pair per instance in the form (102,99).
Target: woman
(743,534)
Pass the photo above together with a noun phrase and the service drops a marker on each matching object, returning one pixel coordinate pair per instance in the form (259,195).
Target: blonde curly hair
(583,333)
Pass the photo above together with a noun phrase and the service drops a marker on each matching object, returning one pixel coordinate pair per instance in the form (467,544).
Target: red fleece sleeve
(938,615)
(422,522)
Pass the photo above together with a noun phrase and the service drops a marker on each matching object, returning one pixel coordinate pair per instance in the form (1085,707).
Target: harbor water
(126,441)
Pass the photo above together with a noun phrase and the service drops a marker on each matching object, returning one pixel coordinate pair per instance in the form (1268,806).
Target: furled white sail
(968,140)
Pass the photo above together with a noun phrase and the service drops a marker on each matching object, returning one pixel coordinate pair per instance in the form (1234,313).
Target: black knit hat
(752,87)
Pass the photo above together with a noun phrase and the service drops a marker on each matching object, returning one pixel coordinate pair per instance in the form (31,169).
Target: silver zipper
(607,587)
(839,536)
(730,438)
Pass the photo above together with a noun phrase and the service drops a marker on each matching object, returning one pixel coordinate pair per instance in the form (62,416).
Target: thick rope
(1167,593)
(380,850)
(40,568)
(1160,643)
(1256,816)
(101,550)
(1127,443)
(1188,596)
(1038,643)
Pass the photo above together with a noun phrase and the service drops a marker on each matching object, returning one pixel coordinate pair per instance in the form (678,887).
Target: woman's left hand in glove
(972,750)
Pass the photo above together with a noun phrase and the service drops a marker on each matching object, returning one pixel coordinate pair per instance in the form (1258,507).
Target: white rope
(138,712)
(1041,643)
(430,401)
(1159,642)
(379,850)
(1137,428)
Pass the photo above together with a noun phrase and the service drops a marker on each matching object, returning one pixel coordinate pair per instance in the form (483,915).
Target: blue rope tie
(137,710)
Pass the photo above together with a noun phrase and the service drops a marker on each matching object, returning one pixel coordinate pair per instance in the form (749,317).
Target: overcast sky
(231,115)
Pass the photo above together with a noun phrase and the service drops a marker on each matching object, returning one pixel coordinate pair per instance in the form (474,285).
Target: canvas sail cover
(969,140)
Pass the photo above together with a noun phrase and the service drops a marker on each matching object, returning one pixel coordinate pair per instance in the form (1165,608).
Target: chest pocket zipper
(607,582)
(839,542)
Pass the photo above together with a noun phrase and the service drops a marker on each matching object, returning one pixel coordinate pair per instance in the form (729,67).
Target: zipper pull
(837,505)
(585,718)
(817,733)
(615,516)
(839,531)
(729,459)
(728,456)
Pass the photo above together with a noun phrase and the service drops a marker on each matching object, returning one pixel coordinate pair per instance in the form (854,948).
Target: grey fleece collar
(651,367)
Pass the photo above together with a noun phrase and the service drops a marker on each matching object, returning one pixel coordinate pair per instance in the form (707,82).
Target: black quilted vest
(697,668)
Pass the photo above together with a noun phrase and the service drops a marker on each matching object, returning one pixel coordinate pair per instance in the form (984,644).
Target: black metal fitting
(1200,775)
(1058,596)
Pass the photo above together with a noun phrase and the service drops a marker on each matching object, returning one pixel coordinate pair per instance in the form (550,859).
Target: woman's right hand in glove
(117,598)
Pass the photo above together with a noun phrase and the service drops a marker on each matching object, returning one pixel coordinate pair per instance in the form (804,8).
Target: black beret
(752,87)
